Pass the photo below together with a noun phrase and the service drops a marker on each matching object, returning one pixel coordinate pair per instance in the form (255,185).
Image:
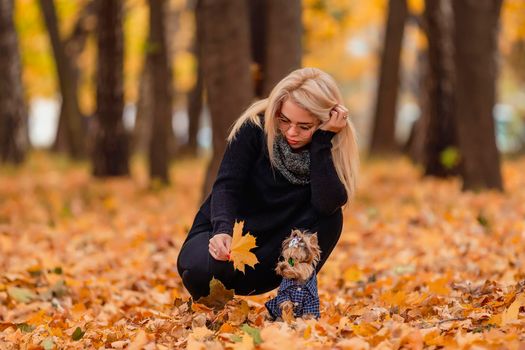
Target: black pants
(197,267)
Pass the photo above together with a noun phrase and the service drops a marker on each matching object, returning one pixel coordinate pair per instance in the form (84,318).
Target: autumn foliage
(87,263)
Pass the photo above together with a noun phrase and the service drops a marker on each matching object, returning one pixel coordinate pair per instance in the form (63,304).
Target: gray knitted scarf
(294,166)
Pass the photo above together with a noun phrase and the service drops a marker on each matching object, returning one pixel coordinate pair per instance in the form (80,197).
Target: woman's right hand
(219,246)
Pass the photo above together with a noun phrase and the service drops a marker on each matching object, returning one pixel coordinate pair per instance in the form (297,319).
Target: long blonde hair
(316,92)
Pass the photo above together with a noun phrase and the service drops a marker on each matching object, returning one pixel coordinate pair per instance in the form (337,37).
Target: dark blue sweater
(248,188)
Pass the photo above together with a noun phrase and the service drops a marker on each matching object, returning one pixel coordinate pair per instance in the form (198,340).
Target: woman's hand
(338,119)
(219,246)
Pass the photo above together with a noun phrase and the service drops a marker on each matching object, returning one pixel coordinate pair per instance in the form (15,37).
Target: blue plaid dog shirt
(304,297)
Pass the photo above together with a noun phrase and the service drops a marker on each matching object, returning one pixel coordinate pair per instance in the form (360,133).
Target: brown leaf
(218,296)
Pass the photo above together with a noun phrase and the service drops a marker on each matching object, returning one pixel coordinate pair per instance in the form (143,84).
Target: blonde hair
(316,92)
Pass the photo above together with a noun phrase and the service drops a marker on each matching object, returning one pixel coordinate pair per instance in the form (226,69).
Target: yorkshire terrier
(297,295)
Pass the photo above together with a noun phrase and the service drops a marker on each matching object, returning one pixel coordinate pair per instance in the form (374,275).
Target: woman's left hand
(338,119)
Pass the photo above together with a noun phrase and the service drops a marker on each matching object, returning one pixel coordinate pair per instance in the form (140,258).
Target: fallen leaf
(239,313)
(218,296)
(77,334)
(140,340)
(354,343)
(511,314)
(22,295)
(48,343)
(241,245)
(253,332)
(246,343)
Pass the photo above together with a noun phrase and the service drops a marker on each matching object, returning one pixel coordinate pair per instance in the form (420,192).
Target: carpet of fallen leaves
(90,264)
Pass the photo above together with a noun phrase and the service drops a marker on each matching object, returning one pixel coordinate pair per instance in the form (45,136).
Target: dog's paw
(287,311)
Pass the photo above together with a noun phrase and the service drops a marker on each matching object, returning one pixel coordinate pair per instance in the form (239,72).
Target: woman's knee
(328,232)
(193,266)
(196,282)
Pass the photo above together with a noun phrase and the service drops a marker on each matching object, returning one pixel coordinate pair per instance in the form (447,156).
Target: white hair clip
(295,243)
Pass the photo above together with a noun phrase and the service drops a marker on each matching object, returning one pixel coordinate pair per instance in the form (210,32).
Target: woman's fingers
(338,119)
(219,246)
(342,112)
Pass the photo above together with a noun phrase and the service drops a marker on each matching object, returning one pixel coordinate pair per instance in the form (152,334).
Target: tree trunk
(283,47)
(74,45)
(475,41)
(383,134)
(195,103)
(225,49)
(144,116)
(13,112)
(162,100)
(257,10)
(111,152)
(440,134)
(70,112)
(196,95)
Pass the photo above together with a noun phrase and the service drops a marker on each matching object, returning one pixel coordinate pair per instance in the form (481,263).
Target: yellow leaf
(511,314)
(240,253)
(245,344)
(416,6)
(364,329)
(307,332)
(439,286)
(352,274)
(394,298)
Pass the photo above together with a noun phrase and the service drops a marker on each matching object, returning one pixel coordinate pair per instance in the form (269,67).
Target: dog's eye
(281,258)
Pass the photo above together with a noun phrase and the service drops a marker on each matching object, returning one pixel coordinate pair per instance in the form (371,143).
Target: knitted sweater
(248,188)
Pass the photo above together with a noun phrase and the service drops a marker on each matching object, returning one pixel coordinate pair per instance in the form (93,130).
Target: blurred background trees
(164,79)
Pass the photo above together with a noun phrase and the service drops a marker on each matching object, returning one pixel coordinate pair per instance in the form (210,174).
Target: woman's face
(296,124)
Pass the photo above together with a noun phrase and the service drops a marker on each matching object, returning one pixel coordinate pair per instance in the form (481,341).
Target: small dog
(297,295)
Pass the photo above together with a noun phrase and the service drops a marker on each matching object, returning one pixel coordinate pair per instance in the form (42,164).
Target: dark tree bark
(111,153)
(475,42)
(195,104)
(74,45)
(439,131)
(226,69)
(70,111)
(196,94)
(283,46)
(383,134)
(13,111)
(257,10)
(144,116)
(161,79)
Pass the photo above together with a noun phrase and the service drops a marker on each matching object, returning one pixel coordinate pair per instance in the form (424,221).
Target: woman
(291,162)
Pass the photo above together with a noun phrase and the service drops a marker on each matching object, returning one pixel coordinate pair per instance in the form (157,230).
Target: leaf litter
(89,263)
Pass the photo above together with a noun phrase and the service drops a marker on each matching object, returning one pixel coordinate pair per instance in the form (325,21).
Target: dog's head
(300,254)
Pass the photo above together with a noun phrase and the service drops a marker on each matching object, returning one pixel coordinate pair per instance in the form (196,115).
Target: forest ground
(88,263)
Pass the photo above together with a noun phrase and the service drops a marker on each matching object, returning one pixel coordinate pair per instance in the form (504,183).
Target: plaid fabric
(304,297)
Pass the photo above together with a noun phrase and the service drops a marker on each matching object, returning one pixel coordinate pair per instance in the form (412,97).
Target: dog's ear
(295,233)
(313,239)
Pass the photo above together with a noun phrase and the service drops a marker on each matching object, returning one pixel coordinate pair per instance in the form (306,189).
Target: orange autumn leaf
(511,314)
(240,253)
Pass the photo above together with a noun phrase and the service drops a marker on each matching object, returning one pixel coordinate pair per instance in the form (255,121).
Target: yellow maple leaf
(240,253)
